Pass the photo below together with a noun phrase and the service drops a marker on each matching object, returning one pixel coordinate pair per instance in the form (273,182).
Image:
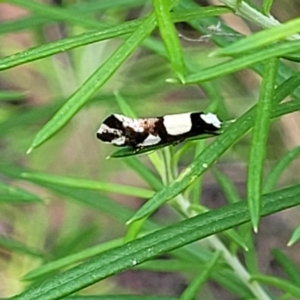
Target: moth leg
(138,148)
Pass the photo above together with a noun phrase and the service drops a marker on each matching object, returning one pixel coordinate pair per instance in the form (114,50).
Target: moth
(140,133)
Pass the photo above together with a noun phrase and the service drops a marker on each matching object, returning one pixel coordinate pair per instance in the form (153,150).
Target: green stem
(183,206)
(244,10)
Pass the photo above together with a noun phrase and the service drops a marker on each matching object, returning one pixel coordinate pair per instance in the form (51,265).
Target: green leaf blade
(240,63)
(191,291)
(57,13)
(71,259)
(67,44)
(11,96)
(288,265)
(12,195)
(259,141)
(169,36)
(279,168)
(92,84)
(88,184)
(280,283)
(262,38)
(151,245)
(16,246)
(95,36)
(295,236)
(205,160)
(267,6)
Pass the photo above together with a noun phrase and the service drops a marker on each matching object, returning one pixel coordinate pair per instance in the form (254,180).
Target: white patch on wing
(212,119)
(119,141)
(129,122)
(177,124)
(104,128)
(151,140)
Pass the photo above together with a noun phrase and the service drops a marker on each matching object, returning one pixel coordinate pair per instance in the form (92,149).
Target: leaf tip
(181,78)
(172,80)
(255,228)
(215,53)
(29,150)
(129,222)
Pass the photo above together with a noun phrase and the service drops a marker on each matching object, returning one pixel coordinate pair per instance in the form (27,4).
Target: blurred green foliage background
(42,221)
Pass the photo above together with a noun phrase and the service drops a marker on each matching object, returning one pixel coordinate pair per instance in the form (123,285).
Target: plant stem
(244,10)
(183,206)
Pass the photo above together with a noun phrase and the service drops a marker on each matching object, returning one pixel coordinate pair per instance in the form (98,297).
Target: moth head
(111,131)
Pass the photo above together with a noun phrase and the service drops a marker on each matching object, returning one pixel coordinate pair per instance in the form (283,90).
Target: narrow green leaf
(197,13)
(227,186)
(27,118)
(289,86)
(235,237)
(250,256)
(72,259)
(13,195)
(295,236)
(16,246)
(134,229)
(67,44)
(279,168)
(170,37)
(61,14)
(259,141)
(101,6)
(261,39)
(202,26)
(21,24)
(126,109)
(191,291)
(120,297)
(196,187)
(78,7)
(230,233)
(90,87)
(129,151)
(96,36)
(91,199)
(267,6)
(289,107)
(144,172)
(233,284)
(206,159)
(174,265)
(88,198)
(289,266)
(279,283)
(153,244)
(11,96)
(88,184)
(240,63)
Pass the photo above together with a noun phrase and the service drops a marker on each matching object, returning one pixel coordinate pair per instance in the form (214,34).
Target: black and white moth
(140,133)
